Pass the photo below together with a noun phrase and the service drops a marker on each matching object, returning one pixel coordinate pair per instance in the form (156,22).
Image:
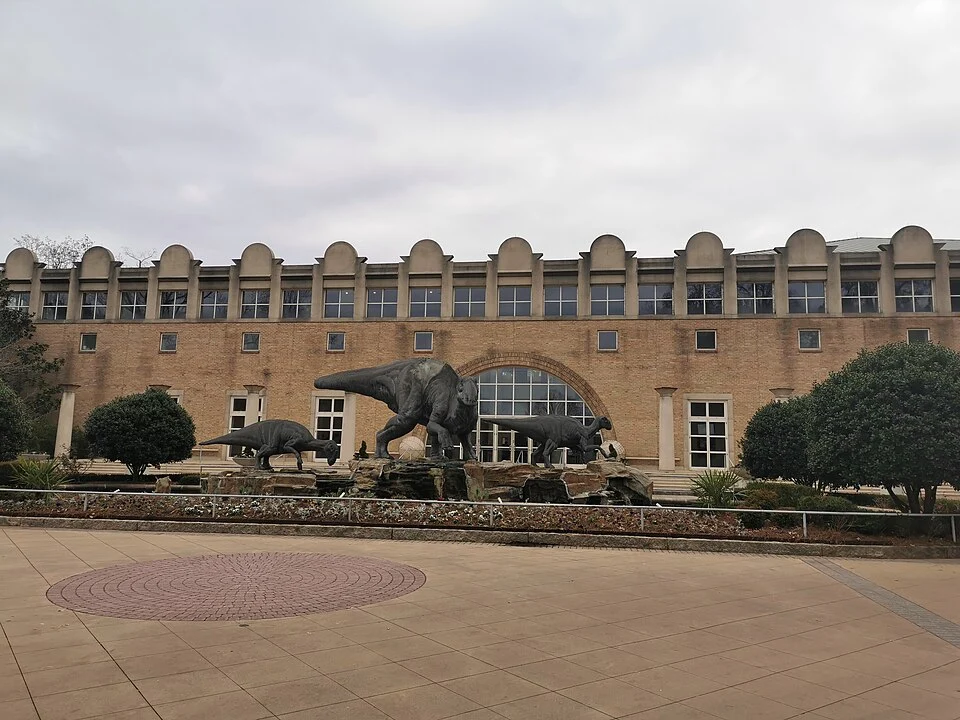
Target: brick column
(665,450)
(68,400)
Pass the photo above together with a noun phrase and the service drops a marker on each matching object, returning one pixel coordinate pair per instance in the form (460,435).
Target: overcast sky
(144,123)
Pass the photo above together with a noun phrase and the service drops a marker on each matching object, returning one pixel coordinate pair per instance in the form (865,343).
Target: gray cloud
(218,123)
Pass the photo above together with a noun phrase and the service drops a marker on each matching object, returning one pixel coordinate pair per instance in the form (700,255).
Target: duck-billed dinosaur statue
(276,437)
(421,391)
(555,431)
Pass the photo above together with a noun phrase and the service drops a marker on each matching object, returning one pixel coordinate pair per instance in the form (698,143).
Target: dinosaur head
(325,448)
(467,392)
(605,423)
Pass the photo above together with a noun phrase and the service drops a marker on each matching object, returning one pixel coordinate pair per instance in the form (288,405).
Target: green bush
(13,424)
(787,495)
(716,488)
(761,497)
(786,520)
(753,521)
(829,504)
(774,442)
(39,475)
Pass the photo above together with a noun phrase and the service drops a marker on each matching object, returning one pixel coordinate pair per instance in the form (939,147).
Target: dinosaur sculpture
(277,437)
(555,431)
(421,391)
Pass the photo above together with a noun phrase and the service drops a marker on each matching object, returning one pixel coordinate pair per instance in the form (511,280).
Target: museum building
(678,352)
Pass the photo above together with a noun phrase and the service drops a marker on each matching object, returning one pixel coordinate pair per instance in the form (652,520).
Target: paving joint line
(945,629)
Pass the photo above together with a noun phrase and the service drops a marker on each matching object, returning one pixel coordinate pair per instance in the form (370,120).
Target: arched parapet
(515,256)
(340,258)
(912,245)
(426,256)
(176,261)
(608,252)
(20,264)
(705,250)
(806,247)
(97,263)
(257,261)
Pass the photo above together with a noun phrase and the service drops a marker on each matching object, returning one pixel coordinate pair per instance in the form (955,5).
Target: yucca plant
(40,475)
(716,488)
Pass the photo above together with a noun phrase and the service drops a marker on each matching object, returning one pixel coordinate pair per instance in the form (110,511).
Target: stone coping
(503,537)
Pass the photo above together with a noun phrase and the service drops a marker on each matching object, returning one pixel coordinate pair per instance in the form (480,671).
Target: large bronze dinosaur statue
(421,391)
(276,437)
(555,431)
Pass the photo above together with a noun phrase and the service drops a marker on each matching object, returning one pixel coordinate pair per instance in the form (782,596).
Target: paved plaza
(474,632)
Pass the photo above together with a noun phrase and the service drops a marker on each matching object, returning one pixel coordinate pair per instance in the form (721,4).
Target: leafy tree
(23,364)
(774,443)
(56,253)
(14,428)
(890,417)
(140,430)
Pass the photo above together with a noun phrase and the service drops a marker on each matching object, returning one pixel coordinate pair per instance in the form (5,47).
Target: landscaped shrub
(774,442)
(760,496)
(753,521)
(13,424)
(829,504)
(716,488)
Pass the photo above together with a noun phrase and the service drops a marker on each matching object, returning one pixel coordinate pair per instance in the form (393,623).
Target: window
(425,302)
(296,304)
(338,303)
(255,304)
(914,295)
(251,342)
(54,306)
(423,341)
(514,301)
(469,301)
(754,298)
(859,296)
(88,342)
(560,300)
(330,419)
(918,335)
(336,341)
(806,296)
(954,295)
(655,299)
(707,340)
(168,342)
(213,304)
(173,304)
(381,302)
(704,298)
(133,304)
(19,300)
(93,306)
(607,340)
(606,300)
(809,339)
(708,434)
(238,418)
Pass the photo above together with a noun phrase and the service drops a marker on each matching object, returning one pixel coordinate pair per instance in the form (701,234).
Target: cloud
(299,124)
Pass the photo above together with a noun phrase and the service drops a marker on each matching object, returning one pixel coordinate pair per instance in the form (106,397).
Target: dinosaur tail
(237,437)
(521,425)
(375,382)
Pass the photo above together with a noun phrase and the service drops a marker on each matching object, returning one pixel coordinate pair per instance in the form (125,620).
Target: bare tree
(138,256)
(56,253)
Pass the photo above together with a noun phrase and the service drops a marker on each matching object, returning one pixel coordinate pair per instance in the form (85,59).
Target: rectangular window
(423,341)
(133,304)
(655,299)
(606,300)
(705,298)
(93,305)
(336,341)
(859,296)
(954,295)
(707,340)
(251,342)
(54,306)
(88,342)
(809,339)
(168,342)
(338,303)
(560,300)
(918,335)
(255,304)
(708,434)
(381,302)
(914,295)
(19,300)
(754,298)
(213,304)
(330,419)
(607,340)
(514,301)
(806,296)
(238,418)
(425,302)
(296,304)
(173,305)
(469,301)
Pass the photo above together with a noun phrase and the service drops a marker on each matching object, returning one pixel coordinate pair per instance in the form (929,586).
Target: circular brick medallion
(242,586)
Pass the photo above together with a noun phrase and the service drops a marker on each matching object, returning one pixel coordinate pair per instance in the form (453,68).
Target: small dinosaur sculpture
(421,391)
(276,437)
(555,431)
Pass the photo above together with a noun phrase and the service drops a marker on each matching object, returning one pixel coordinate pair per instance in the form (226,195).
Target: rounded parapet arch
(256,260)
(608,252)
(913,244)
(426,256)
(806,247)
(175,261)
(340,258)
(705,250)
(96,262)
(20,264)
(515,255)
